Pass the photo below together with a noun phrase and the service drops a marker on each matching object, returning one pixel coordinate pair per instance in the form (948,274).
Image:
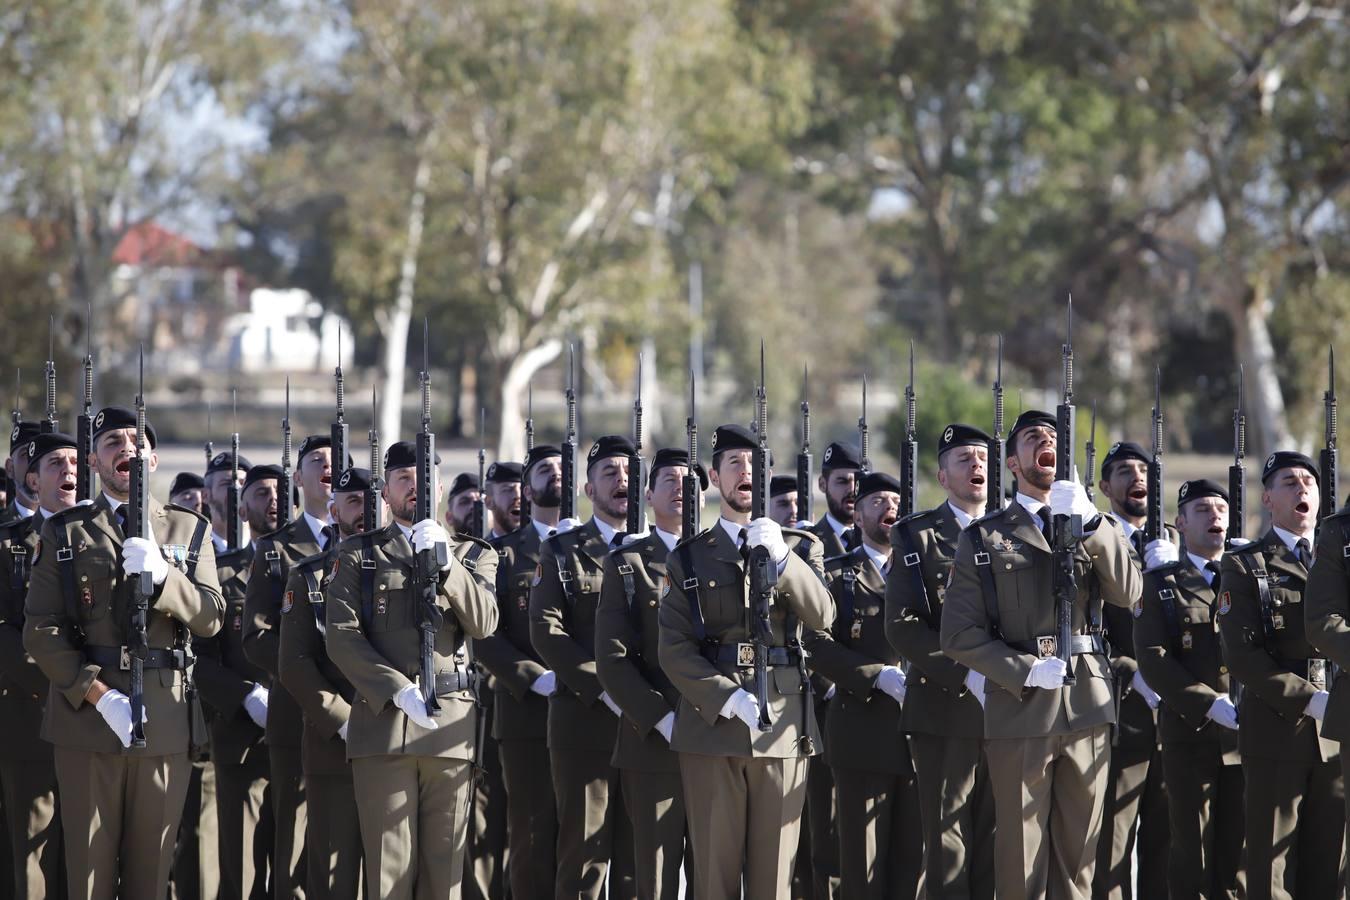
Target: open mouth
(1216,530)
(515,509)
(1139,493)
(620,495)
(325,479)
(124,467)
(67,487)
(888,521)
(743,487)
(1303,508)
(1046,459)
(977,480)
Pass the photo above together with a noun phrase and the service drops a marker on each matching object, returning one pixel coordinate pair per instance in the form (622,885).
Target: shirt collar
(963,518)
(607,531)
(879,559)
(407,531)
(317,526)
(835,525)
(1124,526)
(218,542)
(1030,504)
(670,540)
(733,529)
(113,503)
(23,511)
(45,513)
(1199,562)
(1290,539)
(545,530)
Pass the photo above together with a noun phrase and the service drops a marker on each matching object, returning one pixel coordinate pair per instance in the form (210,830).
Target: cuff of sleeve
(76,693)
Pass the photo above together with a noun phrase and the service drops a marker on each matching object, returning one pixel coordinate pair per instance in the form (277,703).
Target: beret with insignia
(1119,452)
(1200,487)
(733,437)
(840,456)
(22,433)
(352,480)
(463,482)
(1287,459)
(668,457)
(537,453)
(186,481)
(959,435)
(262,473)
(782,484)
(875,482)
(504,472)
(43,444)
(1030,418)
(401,455)
(608,446)
(221,463)
(116,418)
(318,442)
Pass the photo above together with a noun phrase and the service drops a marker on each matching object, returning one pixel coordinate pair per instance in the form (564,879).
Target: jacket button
(1223,670)
(651,602)
(1187,620)
(712,583)
(1007,565)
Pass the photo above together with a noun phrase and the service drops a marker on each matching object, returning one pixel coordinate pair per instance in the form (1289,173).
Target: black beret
(1200,487)
(314,442)
(186,481)
(840,456)
(1121,451)
(115,418)
(1287,459)
(352,480)
(782,484)
(958,435)
(262,473)
(504,472)
(22,433)
(1029,419)
(607,446)
(43,444)
(537,453)
(733,437)
(667,457)
(873,482)
(221,463)
(401,455)
(463,482)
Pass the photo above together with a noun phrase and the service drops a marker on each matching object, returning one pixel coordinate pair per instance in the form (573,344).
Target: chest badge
(1187,641)
(238,623)
(381,606)
(855,632)
(288,601)
(1225,603)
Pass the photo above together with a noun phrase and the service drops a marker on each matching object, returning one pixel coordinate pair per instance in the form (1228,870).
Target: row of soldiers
(967,747)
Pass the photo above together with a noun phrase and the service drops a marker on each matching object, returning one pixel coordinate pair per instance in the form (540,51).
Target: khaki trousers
(880,835)
(333,852)
(532,818)
(595,841)
(1204,806)
(287,786)
(485,868)
(654,802)
(244,820)
(1295,829)
(956,804)
(33,822)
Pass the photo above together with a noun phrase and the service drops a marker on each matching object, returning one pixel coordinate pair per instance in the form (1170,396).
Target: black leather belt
(120,658)
(1047,645)
(450,682)
(742,655)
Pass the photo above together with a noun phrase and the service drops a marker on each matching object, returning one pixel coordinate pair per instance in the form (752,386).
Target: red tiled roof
(147,244)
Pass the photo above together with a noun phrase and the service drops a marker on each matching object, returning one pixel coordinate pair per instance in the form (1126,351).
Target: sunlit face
(347,510)
(190,498)
(1034,460)
(1292,497)
(877,512)
(783,508)
(52,480)
(665,499)
(259,505)
(461,509)
(1126,486)
(731,477)
(840,489)
(113,453)
(400,492)
(963,473)
(1203,525)
(315,474)
(218,491)
(545,487)
(607,487)
(503,501)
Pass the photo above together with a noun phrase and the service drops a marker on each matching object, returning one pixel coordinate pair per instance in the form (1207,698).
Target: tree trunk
(511,444)
(1265,399)
(396,333)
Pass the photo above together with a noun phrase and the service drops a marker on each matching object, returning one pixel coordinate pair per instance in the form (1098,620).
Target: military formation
(312,678)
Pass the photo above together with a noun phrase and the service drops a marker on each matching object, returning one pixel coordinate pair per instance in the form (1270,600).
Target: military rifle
(804,511)
(637,518)
(84,424)
(864,438)
(338,432)
(1091,452)
(49,421)
(143,587)
(1068,530)
(909,448)
(478,518)
(285,488)
(1237,472)
(371,517)
(568,509)
(234,514)
(763,570)
(16,414)
(529,445)
(207,445)
(689,490)
(1328,457)
(426,573)
(994,472)
(1153,521)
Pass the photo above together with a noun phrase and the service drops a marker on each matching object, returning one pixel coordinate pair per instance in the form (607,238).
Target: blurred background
(242,187)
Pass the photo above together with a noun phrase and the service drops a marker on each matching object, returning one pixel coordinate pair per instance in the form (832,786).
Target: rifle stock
(1068,530)
(143,586)
(426,573)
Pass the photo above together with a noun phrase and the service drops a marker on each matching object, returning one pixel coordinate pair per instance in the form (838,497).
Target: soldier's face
(607,487)
(783,509)
(315,474)
(461,508)
(963,473)
(218,491)
(1034,461)
(348,510)
(732,480)
(260,505)
(840,488)
(546,483)
(400,492)
(1126,486)
(666,498)
(1203,525)
(503,501)
(190,498)
(877,513)
(112,456)
(16,466)
(53,479)
(1292,498)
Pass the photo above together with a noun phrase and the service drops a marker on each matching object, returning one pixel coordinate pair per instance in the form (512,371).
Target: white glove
(115,708)
(1236,543)
(1047,673)
(765,532)
(545,685)
(803,524)
(410,701)
(975,684)
(666,727)
(1160,553)
(342,732)
(742,705)
(426,534)
(566,525)
(1142,689)
(255,704)
(830,692)
(892,681)
(142,555)
(635,536)
(1317,706)
(1223,712)
(609,701)
(1068,498)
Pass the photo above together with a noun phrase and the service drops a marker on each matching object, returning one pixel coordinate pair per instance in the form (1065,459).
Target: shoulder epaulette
(313,562)
(1341,513)
(275,533)
(843,560)
(695,537)
(191,512)
(79,509)
(230,557)
(802,533)
(470,539)
(1164,569)
(914,517)
(1246,548)
(989,516)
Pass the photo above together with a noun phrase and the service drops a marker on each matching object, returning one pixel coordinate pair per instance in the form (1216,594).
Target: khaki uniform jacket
(627,651)
(562,629)
(1274,697)
(519,714)
(1326,615)
(274,555)
(224,676)
(309,676)
(705,686)
(103,610)
(830,544)
(936,699)
(862,726)
(1181,657)
(1022,567)
(23,687)
(383,656)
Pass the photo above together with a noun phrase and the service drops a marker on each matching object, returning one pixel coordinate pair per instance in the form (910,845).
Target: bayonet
(804,511)
(864,439)
(994,496)
(636,477)
(1237,472)
(373,518)
(1091,452)
(529,445)
(691,490)
(285,489)
(909,448)
(49,421)
(234,515)
(478,518)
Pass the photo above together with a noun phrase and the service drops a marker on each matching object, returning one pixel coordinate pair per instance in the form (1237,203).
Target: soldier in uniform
(188,490)
(1176,638)
(880,840)
(626,661)
(120,807)
(464,493)
(216,485)
(27,769)
(22,503)
(1136,805)
(332,834)
(523,682)
(783,500)
(307,535)
(943,711)
(410,764)
(1047,743)
(594,836)
(743,787)
(236,691)
(1294,787)
(502,496)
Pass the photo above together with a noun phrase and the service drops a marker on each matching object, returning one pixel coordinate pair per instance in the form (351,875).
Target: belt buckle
(1317,672)
(1047,646)
(124,659)
(745,655)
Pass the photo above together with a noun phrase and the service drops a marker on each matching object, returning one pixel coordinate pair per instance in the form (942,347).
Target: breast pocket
(393,604)
(1015,579)
(95,582)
